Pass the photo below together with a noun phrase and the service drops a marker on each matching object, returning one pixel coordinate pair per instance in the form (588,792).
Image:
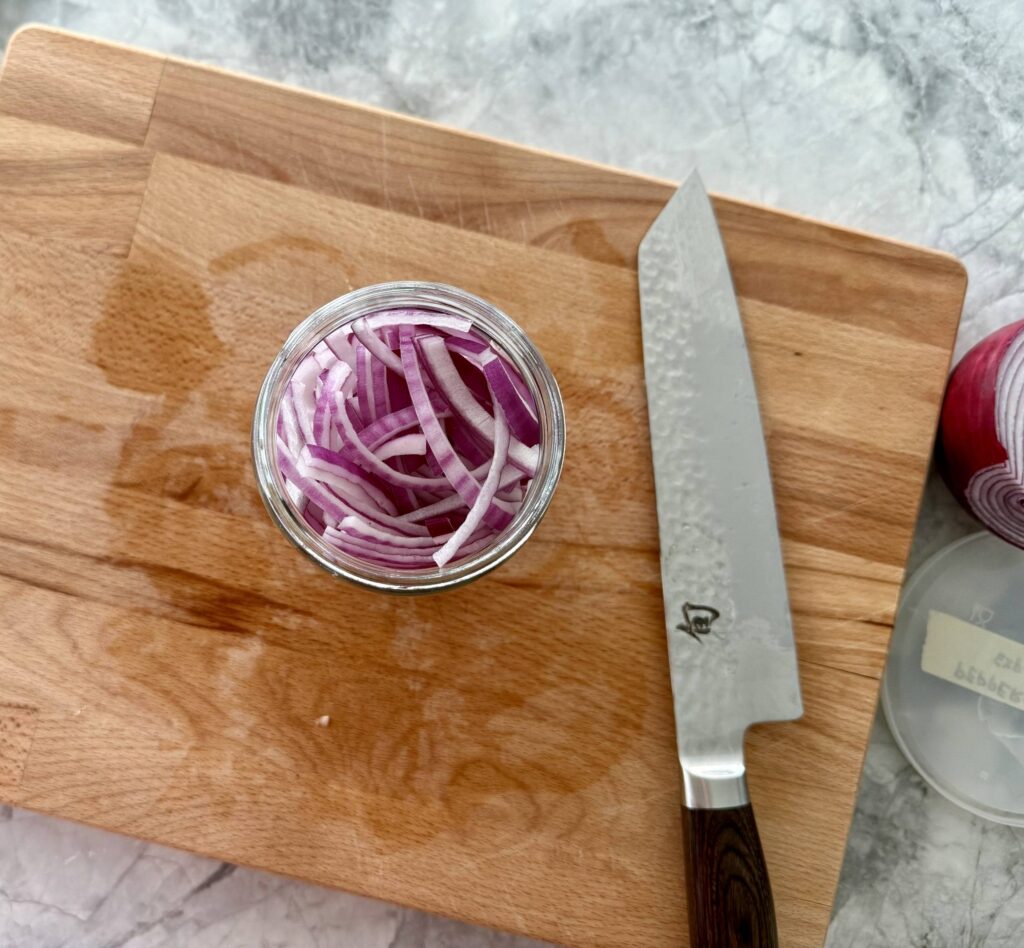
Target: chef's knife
(730,637)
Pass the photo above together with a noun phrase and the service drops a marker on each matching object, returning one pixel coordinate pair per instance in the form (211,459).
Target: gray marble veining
(899,116)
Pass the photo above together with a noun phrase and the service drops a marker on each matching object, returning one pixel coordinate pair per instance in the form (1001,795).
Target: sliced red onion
(352,412)
(473,376)
(379,349)
(315,460)
(304,405)
(337,380)
(364,393)
(324,355)
(417,317)
(513,494)
(405,497)
(312,490)
(388,426)
(466,345)
(453,388)
(340,344)
(469,445)
(359,527)
(379,388)
(458,395)
(349,492)
(521,420)
(314,516)
(290,425)
(395,454)
(297,497)
(402,420)
(440,526)
(453,466)
(398,393)
(453,502)
(402,445)
(333,438)
(374,464)
(478,353)
(338,502)
(394,556)
(487,491)
(303,390)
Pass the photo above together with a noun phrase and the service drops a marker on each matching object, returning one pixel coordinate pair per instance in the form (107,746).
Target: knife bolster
(716,787)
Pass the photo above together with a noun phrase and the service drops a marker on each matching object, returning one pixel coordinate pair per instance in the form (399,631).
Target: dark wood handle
(730,897)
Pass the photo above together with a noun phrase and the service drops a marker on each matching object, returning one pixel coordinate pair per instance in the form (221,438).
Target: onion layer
(399,454)
(981,435)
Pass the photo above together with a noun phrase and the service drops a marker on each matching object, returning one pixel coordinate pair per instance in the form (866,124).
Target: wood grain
(388,161)
(17,730)
(101,89)
(76,190)
(728,890)
(503,753)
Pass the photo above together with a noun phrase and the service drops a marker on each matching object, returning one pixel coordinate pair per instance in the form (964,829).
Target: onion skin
(969,438)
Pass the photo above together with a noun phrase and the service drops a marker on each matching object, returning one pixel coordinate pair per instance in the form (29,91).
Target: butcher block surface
(503,753)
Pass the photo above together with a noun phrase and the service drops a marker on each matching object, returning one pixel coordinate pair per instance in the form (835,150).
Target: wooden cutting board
(503,753)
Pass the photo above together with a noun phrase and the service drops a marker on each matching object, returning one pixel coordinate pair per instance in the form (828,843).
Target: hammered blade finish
(730,635)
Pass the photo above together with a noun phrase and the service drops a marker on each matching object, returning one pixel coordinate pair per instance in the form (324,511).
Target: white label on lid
(974,658)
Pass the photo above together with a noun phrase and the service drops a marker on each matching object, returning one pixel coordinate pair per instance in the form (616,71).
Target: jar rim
(494,324)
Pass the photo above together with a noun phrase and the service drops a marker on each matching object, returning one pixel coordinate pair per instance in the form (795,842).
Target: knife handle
(729,895)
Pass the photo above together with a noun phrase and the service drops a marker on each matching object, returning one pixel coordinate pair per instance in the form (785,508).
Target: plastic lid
(953,691)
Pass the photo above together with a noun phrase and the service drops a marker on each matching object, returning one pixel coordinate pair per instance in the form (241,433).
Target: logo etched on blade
(697,620)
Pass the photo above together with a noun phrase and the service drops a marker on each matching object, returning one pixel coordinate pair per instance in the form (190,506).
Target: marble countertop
(902,117)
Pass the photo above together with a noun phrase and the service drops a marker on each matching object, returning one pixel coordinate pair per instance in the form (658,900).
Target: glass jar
(490,322)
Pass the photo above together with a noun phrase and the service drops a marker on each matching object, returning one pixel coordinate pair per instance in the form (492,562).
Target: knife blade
(730,636)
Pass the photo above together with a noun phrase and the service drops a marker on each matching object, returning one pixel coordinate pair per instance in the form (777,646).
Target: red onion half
(981,436)
(407,439)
